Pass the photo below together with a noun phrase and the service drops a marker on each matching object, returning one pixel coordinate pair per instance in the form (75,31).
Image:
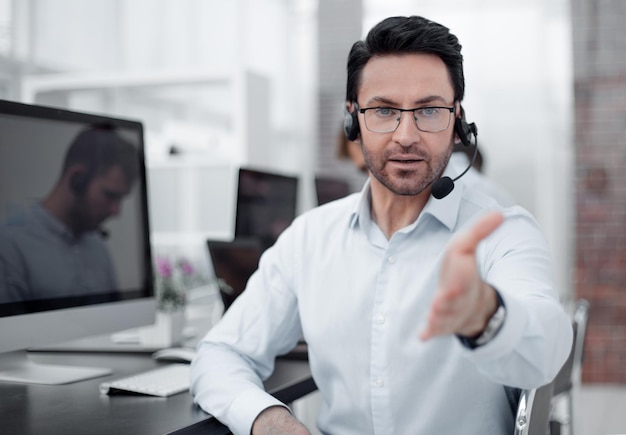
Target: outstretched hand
(463,302)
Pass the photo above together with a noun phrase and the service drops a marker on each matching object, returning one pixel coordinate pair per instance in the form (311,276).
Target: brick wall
(599,38)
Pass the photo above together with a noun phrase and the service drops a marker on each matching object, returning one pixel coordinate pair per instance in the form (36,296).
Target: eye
(428,112)
(385,112)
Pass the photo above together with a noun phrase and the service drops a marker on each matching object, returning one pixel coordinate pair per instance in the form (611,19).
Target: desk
(79,408)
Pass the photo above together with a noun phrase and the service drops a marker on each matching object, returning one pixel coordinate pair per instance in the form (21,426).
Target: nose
(407,132)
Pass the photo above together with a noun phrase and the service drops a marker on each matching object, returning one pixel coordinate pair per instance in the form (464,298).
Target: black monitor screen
(234,263)
(328,189)
(266,204)
(73,210)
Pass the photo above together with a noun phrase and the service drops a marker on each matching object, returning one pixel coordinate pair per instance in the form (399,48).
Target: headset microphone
(442,187)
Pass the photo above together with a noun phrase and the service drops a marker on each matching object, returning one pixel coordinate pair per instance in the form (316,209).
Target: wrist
(277,420)
(492,326)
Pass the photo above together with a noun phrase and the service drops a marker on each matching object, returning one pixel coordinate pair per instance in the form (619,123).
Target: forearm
(277,420)
(226,386)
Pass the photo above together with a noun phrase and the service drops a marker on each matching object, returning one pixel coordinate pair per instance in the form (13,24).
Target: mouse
(175,354)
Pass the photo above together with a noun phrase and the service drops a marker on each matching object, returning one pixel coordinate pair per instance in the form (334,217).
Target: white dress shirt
(361,300)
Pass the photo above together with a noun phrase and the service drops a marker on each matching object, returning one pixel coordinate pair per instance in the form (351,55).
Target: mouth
(406,162)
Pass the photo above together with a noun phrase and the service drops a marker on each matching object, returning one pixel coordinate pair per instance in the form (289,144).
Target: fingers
(485,225)
(460,285)
(445,315)
(439,317)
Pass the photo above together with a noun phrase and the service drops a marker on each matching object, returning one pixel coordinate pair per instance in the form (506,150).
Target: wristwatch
(493,327)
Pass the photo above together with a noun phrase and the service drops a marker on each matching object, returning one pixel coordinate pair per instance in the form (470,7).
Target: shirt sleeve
(536,337)
(238,353)
(227,386)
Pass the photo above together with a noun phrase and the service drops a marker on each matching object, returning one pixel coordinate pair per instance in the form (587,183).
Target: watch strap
(491,330)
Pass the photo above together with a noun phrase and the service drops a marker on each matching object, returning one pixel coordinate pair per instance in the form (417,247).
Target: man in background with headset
(418,312)
(58,250)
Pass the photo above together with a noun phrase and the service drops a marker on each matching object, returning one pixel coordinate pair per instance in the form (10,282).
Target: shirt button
(380,319)
(392,259)
(378,382)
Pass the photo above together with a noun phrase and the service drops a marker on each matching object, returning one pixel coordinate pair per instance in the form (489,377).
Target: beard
(407,182)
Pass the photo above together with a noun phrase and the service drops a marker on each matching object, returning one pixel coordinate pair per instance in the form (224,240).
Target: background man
(59,249)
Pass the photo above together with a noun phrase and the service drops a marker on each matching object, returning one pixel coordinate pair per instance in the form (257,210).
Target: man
(58,250)
(417,311)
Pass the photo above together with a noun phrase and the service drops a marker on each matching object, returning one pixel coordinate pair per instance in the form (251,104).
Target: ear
(77,178)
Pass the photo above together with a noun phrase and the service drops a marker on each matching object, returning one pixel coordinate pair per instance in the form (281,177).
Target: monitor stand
(18,368)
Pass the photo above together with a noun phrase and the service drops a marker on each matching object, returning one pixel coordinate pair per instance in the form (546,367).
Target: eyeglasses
(387,119)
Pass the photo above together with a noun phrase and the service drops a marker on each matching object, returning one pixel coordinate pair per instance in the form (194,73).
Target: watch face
(493,326)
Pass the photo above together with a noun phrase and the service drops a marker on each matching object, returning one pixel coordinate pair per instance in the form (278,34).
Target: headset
(464,130)
(80,180)
(443,186)
(351,124)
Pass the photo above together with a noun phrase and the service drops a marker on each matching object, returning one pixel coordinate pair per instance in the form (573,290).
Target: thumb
(485,225)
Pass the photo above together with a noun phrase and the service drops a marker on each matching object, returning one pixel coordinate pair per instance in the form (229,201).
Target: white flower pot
(167,330)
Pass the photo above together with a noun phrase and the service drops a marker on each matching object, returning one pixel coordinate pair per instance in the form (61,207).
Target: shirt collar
(445,210)
(361,208)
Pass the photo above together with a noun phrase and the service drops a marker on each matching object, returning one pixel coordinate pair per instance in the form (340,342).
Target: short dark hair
(98,148)
(406,35)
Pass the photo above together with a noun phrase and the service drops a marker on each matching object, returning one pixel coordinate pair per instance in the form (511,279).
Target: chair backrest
(534,407)
(570,373)
(581,317)
(533,411)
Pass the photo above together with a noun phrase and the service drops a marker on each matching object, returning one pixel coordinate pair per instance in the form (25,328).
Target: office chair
(533,411)
(569,377)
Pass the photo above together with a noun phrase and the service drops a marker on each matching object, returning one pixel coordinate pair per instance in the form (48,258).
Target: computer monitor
(328,188)
(266,204)
(75,257)
(234,263)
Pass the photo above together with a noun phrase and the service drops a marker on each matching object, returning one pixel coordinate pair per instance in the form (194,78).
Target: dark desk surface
(79,408)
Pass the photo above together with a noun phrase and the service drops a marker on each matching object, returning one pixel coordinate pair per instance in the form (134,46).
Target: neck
(57,204)
(392,212)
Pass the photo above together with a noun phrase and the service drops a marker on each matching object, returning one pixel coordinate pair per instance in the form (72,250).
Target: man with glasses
(419,313)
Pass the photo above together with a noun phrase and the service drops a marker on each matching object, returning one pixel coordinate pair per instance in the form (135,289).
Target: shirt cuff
(492,329)
(509,335)
(246,408)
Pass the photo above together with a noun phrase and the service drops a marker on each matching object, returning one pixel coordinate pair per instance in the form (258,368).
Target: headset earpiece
(78,182)
(350,124)
(463,130)
(443,186)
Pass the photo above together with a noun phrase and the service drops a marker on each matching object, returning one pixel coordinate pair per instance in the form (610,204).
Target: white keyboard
(163,382)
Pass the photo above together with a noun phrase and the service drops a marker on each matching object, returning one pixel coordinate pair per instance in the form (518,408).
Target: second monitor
(266,204)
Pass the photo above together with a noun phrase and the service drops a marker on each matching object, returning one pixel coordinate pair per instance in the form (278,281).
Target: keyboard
(162,382)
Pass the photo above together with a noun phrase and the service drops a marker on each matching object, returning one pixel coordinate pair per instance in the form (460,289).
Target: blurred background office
(261,83)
